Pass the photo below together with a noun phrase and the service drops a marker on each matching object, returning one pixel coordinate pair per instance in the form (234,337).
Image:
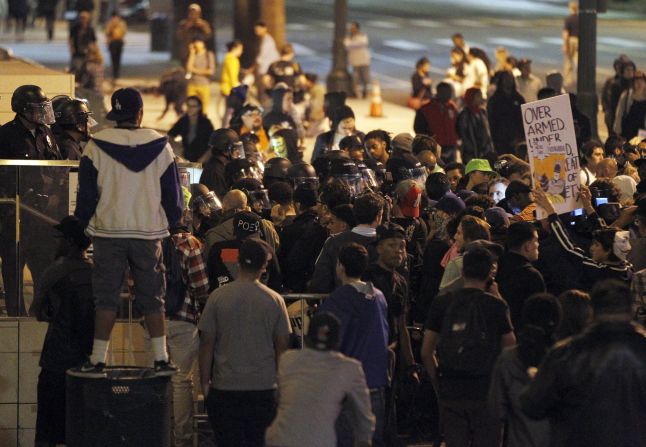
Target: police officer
(276,170)
(28,135)
(303,174)
(225,145)
(72,127)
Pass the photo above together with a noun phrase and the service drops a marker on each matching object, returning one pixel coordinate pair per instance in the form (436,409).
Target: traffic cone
(376,103)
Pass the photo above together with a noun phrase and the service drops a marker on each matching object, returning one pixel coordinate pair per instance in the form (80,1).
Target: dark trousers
(50,419)
(469,423)
(116,48)
(344,423)
(240,418)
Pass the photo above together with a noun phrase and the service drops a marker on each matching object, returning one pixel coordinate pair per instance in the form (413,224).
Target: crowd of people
(450,311)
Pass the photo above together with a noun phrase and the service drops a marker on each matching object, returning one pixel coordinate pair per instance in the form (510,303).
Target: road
(400,32)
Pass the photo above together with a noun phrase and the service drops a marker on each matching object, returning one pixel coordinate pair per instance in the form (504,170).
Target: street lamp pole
(586,71)
(338,80)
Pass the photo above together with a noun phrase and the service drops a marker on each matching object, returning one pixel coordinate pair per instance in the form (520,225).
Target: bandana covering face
(621,246)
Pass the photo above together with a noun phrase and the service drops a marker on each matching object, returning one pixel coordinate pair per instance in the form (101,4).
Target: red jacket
(438,120)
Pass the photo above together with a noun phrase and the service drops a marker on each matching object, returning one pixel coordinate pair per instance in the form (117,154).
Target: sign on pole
(552,151)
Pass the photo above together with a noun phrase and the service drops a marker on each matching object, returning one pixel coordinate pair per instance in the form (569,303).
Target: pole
(587,99)
(339,79)
(273,13)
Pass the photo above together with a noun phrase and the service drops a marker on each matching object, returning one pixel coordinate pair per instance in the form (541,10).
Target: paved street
(400,33)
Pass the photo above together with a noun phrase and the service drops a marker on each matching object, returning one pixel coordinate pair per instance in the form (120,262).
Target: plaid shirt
(194,271)
(197,281)
(638,291)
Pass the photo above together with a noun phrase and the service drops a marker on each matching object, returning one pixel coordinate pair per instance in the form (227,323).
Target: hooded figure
(279,117)
(473,127)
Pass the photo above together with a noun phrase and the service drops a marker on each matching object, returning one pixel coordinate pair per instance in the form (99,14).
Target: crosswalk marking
(514,43)
(297,27)
(405,45)
(424,23)
(467,23)
(382,24)
(302,50)
(509,23)
(552,40)
(622,43)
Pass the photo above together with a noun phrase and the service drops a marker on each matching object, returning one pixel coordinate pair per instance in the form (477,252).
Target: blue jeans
(345,429)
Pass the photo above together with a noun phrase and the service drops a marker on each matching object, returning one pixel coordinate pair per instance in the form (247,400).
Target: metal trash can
(159,33)
(129,407)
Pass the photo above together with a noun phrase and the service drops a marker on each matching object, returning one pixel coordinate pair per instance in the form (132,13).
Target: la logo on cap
(117,104)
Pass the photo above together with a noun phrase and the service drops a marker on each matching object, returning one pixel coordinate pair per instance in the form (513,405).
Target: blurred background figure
(115,33)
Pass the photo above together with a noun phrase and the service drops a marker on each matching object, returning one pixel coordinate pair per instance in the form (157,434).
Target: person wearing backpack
(463,335)
(187,286)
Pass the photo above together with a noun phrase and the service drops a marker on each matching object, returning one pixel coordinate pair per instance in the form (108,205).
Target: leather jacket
(592,388)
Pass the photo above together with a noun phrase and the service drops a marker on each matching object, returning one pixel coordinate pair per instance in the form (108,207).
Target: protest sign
(552,151)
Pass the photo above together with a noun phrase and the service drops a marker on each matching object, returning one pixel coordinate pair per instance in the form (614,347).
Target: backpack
(175,283)
(467,347)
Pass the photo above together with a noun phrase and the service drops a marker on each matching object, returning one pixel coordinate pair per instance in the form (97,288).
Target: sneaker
(164,368)
(90,370)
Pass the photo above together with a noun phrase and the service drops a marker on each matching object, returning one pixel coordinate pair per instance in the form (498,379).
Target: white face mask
(621,246)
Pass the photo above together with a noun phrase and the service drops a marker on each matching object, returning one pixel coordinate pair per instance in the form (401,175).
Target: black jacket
(213,177)
(593,388)
(324,279)
(517,280)
(300,244)
(195,149)
(505,121)
(18,143)
(474,132)
(70,148)
(64,298)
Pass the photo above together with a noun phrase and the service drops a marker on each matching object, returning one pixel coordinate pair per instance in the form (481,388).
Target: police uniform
(19,143)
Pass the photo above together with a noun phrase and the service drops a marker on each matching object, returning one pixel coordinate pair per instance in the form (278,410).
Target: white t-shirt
(587,176)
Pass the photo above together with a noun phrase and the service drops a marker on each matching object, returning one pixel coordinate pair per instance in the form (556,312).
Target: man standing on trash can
(129,195)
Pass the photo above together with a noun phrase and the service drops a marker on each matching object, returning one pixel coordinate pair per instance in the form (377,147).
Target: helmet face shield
(237,150)
(369,178)
(40,112)
(312,182)
(206,204)
(259,200)
(354,182)
(418,174)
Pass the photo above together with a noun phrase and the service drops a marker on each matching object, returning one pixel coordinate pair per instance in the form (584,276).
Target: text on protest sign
(552,151)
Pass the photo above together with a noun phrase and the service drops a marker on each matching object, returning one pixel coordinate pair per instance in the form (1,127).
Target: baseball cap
(450,204)
(478,164)
(253,253)
(390,231)
(126,103)
(324,332)
(516,187)
(497,218)
(245,223)
(71,228)
(409,197)
(403,142)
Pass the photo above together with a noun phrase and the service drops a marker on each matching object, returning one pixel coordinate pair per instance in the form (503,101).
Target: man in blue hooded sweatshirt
(129,196)
(363,313)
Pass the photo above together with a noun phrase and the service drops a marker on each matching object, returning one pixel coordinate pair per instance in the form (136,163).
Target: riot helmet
(406,166)
(205,204)
(226,142)
(73,114)
(30,102)
(303,174)
(276,170)
(348,172)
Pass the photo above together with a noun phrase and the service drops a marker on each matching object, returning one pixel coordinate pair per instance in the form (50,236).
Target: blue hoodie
(129,185)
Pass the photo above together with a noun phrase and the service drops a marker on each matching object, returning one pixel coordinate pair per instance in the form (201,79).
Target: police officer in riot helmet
(206,209)
(72,128)
(348,172)
(303,174)
(225,145)
(276,171)
(403,167)
(28,136)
